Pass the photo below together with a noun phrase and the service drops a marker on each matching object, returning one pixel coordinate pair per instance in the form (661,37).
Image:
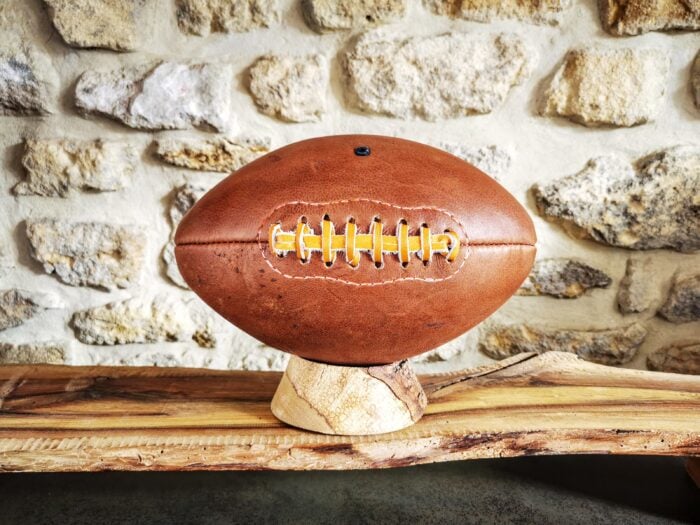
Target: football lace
(303,242)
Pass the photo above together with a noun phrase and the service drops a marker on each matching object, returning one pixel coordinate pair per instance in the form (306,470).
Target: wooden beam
(60,418)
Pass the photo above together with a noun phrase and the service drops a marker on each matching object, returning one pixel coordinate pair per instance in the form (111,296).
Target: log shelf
(61,418)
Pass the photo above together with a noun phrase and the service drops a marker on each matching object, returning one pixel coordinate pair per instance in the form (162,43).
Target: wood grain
(349,400)
(59,418)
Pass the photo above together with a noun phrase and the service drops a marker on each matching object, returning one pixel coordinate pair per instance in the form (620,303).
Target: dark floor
(541,490)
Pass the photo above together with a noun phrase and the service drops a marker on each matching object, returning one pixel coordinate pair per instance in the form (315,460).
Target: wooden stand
(348,400)
(63,418)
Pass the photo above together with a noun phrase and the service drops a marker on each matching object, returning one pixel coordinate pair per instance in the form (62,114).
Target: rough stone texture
(441,76)
(6,266)
(608,87)
(222,154)
(511,144)
(54,167)
(633,17)
(695,80)
(111,24)
(32,353)
(234,348)
(263,358)
(615,346)
(141,321)
(161,95)
(650,204)
(16,307)
(180,354)
(636,291)
(492,160)
(202,17)
(184,198)
(290,88)
(563,278)
(28,81)
(330,15)
(677,359)
(446,352)
(88,253)
(536,12)
(683,303)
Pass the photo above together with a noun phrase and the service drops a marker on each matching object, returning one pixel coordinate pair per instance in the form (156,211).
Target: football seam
(351,283)
(262,241)
(468,244)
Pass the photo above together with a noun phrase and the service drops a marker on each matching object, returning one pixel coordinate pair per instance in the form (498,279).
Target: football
(356,249)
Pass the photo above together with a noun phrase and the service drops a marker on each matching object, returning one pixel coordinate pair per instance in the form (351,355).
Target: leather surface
(398,172)
(366,315)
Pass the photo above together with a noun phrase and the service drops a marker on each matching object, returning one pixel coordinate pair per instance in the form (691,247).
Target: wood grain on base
(350,400)
(58,418)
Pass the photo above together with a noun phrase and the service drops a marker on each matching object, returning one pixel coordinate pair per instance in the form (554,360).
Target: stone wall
(117,115)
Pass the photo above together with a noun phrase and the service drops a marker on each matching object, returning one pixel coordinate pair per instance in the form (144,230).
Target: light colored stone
(88,253)
(262,359)
(290,88)
(683,302)
(55,167)
(563,278)
(51,353)
(6,266)
(330,15)
(536,152)
(636,291)
(110,24)
(16,307)
(492,160)
(677,359)
(533,11)
(175,354)
(247,353)
(448,75)
(7,263)
(141,321)
(222,154)
(609,87)
(646,205)
(615,346)
(28,80)
(445,352)
(202,17)
(184,198)
(633,17)
(695,80)
(161,95)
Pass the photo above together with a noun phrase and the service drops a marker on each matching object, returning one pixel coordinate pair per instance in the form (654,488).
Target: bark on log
(58,418)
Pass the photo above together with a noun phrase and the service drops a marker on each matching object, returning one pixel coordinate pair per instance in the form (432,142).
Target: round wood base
(348,400)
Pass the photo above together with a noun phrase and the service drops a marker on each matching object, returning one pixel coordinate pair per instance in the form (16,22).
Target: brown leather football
(356,249)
